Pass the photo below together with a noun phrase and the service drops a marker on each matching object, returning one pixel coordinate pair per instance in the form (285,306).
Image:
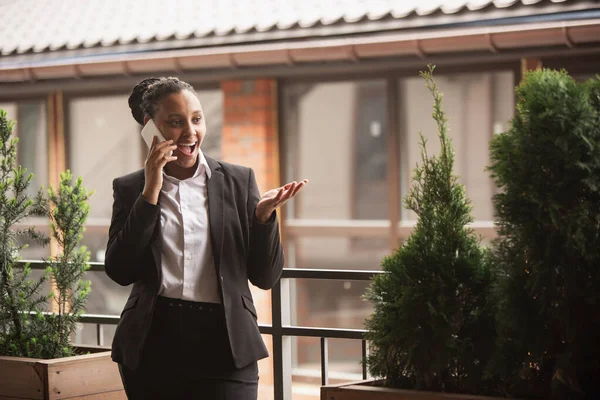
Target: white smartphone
(149,131)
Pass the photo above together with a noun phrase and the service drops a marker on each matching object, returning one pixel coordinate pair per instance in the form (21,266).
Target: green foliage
(20,298)
(432,327)
(26,328)
(68,214)
(548,212)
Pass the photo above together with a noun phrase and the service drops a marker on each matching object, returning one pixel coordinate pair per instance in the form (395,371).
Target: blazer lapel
(216,190)
(156,253)
(156,238)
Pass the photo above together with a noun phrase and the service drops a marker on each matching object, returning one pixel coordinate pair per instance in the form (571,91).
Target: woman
(189,232)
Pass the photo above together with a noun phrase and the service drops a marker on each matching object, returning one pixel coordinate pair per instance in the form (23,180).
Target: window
(212,105)
(32,154)
(477,106)
(336,137)
(336,134)
(33,144)
(104,143)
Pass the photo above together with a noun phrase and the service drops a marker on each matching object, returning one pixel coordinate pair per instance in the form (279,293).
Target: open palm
(275,198)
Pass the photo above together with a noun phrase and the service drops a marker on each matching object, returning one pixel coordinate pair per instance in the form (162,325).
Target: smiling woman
(104,142)
(189,232)
(175,109)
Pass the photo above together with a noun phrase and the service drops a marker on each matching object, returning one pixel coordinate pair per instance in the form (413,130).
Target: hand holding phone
(149,131)
(156,161)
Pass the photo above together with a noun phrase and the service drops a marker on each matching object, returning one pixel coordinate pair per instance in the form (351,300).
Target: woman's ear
(146,119)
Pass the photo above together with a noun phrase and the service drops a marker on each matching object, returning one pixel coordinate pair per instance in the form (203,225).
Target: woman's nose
(187,128)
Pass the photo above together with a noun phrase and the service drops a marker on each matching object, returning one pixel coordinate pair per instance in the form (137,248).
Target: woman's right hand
(158,156)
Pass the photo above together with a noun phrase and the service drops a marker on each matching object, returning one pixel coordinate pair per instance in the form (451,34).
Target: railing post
(100,334)
(282,363)
(364,358)
(324,362)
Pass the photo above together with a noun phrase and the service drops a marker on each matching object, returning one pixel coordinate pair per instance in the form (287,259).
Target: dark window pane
(33,142)
(477,106)
(336,137)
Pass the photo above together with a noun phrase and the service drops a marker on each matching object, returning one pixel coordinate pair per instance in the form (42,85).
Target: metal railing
(280,329)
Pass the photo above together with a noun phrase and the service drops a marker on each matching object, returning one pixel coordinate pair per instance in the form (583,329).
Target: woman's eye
(175,122)
(197,120)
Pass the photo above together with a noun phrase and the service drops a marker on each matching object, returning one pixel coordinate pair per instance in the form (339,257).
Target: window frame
(394,228)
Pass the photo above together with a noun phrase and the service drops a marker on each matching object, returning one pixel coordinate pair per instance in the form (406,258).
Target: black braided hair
(147,94)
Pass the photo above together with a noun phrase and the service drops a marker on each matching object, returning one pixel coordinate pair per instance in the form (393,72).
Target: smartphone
(149,131)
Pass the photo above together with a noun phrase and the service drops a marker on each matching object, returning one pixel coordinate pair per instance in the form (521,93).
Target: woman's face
(180,118)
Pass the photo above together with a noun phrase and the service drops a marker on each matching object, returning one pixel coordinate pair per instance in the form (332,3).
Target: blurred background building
(326,90)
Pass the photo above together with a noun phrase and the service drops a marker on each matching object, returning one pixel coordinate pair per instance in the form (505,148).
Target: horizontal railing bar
(103,319)
(96,267)
(338,274)
(39,264)
(289,273)
(99,319)
(333,333)
(305,331)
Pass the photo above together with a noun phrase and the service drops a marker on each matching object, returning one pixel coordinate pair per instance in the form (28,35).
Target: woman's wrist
(151,196)
(263,217)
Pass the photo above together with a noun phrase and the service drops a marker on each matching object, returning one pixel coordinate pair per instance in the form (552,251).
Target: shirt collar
(202,167)
(202,163)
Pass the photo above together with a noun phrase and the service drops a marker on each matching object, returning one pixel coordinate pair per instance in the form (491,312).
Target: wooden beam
(56,138)
(56,158)
(393,158)
(530,64)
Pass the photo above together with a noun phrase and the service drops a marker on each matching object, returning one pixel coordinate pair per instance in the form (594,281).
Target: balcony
(286,382)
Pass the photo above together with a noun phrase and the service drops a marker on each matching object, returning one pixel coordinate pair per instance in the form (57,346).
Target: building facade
(323,90)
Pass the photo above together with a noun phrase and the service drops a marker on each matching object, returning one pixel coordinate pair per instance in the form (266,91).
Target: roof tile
(49,25)
(476,5)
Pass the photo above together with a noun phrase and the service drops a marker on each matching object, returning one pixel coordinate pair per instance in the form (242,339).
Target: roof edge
(496,39)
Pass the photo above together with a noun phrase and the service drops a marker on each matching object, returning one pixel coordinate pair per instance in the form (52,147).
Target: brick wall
(250,138)
(250,134)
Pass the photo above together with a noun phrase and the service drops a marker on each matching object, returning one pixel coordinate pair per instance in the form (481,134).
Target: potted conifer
(547,166)
(432,329)
(37,359)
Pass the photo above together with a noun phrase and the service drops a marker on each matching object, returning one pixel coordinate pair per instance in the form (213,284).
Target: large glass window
(477,106)
(31,130)
(212,105)
(32,154)
(104,143)
(337,135)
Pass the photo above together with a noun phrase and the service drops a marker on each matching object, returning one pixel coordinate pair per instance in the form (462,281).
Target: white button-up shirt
(188,269)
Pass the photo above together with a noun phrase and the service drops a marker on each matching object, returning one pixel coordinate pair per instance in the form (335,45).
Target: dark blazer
(243,249)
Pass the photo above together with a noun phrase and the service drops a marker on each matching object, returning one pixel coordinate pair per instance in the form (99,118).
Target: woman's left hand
(275,198)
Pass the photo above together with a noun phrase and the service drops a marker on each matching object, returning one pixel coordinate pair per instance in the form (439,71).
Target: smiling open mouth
(187,149)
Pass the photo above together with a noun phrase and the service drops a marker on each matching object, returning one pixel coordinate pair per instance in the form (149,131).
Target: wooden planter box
(89,376)
(369,390)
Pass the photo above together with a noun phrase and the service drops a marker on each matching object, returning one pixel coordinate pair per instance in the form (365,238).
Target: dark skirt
(187,356)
